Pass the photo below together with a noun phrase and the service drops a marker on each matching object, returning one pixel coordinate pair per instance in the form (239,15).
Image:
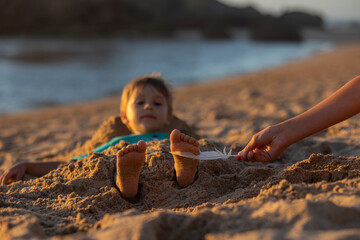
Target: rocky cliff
(134,18)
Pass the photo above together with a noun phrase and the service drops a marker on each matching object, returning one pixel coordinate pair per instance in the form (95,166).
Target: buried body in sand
(146,108)
(296,198)
(132,157)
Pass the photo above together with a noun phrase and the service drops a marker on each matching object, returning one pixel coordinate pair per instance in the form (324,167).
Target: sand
(311,192)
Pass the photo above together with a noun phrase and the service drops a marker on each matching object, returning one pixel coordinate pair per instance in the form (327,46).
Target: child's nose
(148,106)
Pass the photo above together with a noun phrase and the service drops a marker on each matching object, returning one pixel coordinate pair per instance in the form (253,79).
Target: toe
(194,142)
(142,146)
(135,148)
(175,136)
(130,148)
(120,154)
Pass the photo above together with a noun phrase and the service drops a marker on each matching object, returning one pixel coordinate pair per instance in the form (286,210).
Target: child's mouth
(148,116)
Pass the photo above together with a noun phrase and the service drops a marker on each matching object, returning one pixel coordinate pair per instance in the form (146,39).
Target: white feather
(210,155)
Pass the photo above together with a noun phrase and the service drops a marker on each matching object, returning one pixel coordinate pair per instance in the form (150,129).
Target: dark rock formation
(275,30)
(215,31)
(129,17)
(141,17)
(67,17)
(301,20)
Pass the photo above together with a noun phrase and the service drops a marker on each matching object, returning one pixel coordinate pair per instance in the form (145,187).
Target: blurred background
(59,52)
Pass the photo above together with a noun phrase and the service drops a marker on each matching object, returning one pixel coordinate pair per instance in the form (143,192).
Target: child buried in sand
(146,107)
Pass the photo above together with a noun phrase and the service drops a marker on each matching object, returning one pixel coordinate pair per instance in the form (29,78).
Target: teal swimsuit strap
(132,139)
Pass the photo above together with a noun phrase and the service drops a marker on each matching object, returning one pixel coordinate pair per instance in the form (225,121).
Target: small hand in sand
(15,173)
(129,162)
(185,167)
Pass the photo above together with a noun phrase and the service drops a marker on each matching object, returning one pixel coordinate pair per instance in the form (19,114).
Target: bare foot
(129,162)
(185,167)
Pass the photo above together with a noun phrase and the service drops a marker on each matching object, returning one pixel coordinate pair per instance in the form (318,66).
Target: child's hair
(155,80)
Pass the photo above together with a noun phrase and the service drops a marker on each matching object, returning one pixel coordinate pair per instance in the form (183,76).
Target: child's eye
(139,102)
(158,103)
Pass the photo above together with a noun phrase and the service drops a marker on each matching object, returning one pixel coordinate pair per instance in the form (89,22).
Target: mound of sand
(80,196)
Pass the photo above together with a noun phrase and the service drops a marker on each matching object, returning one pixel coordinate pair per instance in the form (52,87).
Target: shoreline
(19,98)
(45,107)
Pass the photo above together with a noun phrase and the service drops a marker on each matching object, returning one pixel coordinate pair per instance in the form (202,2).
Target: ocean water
(36,72)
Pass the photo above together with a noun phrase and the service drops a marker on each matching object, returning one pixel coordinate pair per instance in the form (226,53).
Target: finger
(238,157)
(6,179)
(2,181)
(274,152)
(18,177)
(243,155)
(250,156)
(249,147)
(262,155)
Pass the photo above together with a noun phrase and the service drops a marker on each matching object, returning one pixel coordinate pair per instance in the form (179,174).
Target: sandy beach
(311,192)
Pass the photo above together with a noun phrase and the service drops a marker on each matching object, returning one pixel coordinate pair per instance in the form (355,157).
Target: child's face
(147,110)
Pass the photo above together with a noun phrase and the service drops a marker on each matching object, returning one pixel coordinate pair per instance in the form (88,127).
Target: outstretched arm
(17,171)
(272,141)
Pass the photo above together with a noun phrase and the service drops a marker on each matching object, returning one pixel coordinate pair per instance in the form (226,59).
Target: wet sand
(312,192)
